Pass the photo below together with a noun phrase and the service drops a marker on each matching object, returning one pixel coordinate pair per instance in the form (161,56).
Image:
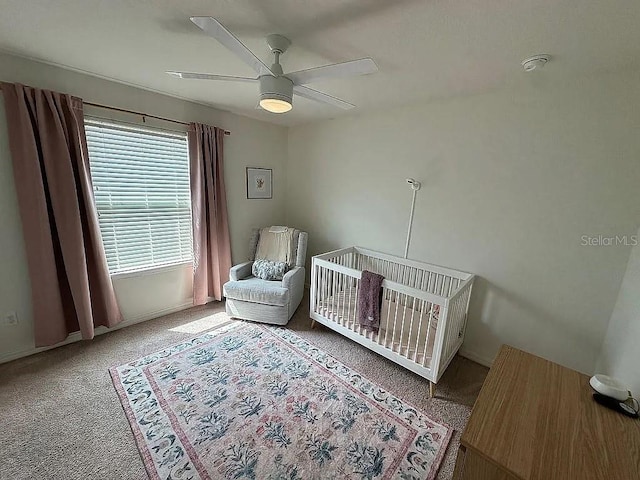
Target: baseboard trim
(471,355)
(76,337)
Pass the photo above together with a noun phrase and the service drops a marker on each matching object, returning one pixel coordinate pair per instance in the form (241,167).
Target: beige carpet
(60,417)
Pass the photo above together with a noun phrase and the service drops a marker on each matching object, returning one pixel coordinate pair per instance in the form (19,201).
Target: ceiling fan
(276,88)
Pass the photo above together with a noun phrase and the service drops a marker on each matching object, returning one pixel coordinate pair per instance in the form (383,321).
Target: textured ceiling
(425,49)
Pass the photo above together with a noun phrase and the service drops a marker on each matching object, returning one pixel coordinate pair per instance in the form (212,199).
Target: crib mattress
(341,308)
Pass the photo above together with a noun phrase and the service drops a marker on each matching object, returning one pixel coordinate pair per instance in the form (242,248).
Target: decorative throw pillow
(268,270)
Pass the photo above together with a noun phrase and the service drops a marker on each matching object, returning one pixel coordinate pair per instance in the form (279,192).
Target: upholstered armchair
(267,301)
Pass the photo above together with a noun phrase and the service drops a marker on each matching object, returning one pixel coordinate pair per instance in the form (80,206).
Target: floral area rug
(249,401)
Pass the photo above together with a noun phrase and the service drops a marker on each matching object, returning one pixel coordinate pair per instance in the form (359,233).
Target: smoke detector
(537,61)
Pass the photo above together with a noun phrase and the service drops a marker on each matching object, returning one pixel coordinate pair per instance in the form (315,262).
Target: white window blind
(141,188)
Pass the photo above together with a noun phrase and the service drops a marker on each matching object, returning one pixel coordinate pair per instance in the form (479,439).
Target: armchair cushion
(269,270)
(257,290)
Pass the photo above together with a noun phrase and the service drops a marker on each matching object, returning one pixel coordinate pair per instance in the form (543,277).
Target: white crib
(424,307)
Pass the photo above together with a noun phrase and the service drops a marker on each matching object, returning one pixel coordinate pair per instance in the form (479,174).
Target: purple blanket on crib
(370,300)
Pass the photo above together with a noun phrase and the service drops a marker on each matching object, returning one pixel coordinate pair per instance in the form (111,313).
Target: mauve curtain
(71,288)
(211,243)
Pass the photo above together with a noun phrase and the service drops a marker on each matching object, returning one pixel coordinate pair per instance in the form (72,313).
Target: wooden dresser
(537,420)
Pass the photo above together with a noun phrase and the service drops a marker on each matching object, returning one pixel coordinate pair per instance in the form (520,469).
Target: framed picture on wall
(259,183)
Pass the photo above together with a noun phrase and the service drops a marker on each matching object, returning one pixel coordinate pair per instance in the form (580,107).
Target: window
(141,189)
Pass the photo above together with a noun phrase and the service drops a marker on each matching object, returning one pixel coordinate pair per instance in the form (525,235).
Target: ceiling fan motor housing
(280,88)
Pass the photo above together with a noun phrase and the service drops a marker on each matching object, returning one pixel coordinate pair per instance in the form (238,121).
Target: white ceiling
(425,49)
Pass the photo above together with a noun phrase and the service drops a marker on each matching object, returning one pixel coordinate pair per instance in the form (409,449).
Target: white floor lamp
(415,186)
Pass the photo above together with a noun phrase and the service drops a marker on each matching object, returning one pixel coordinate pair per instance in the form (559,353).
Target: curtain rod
(98,105)
(123,110)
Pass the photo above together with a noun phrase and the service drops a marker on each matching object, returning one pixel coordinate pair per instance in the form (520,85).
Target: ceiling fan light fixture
(275,105)
(276,94)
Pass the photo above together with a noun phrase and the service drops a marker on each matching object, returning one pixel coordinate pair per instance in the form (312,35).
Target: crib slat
(338,281)
(451,320)
(334,295)
(428,335)
(450,286)
(313,300)
(389,304)
(343,294)
(319,290)
(405,301)
(455,318)
(348,322)
(347,303)
(324,290)
(327,292)
(395,321)
(356,310)
(378,336)
(337,297)
(330,295)
(413,314)
(409,335)
(423,306)
(404,319)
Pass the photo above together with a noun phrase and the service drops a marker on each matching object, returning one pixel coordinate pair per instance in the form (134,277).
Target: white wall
(620,356)
(511,181)
(252,143)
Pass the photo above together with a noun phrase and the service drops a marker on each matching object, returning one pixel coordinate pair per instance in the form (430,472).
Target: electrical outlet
(10,319)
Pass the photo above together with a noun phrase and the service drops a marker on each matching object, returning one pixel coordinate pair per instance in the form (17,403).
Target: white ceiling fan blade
(210,76)
(311,94)
(337,70)
(215,29)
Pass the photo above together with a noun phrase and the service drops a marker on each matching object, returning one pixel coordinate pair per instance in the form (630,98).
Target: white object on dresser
(610,387)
